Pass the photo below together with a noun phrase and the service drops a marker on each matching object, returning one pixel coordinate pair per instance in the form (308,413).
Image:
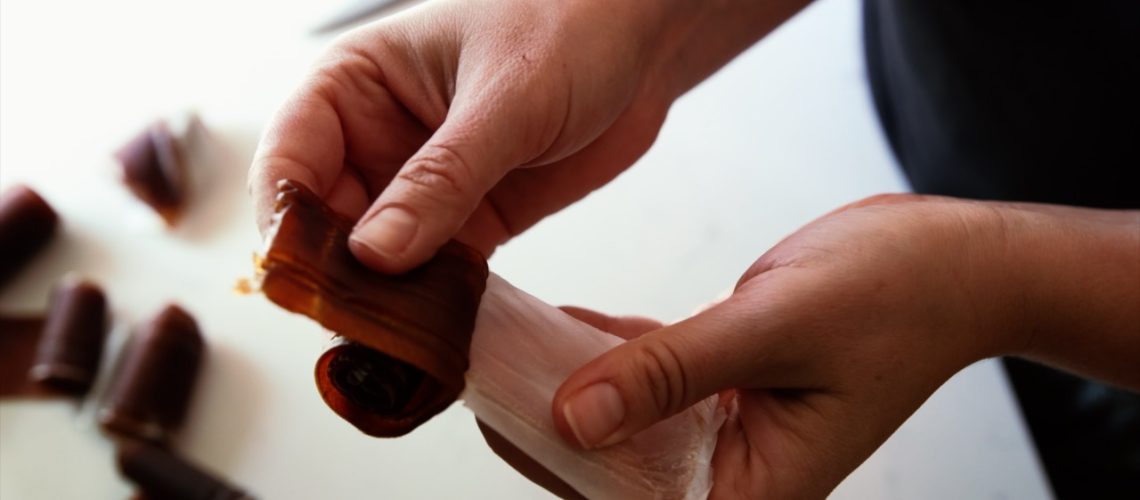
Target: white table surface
(782,135)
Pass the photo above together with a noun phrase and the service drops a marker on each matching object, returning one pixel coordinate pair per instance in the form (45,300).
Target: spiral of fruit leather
(407,336)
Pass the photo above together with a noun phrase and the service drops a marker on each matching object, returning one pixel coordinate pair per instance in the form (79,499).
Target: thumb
(654,376)
(434,193)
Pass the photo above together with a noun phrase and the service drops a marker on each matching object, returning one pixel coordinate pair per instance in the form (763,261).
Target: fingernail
(594,413)
(388,232)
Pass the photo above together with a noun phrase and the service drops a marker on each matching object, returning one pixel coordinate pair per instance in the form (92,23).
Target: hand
(835,336)
(421,124)
(475,119)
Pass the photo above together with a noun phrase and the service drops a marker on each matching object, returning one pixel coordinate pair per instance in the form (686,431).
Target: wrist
(980,280)
(1078,274)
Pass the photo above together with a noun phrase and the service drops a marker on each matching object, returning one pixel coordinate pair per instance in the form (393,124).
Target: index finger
(304,142)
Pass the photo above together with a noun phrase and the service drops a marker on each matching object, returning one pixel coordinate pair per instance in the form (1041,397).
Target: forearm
(702,36)
(1079,271)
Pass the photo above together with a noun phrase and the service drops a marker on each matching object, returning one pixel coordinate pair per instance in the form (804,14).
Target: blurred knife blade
(356,11)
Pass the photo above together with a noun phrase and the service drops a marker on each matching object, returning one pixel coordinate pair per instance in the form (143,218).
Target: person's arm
(703,36)
(418,125)
(836,335)
(1080,272)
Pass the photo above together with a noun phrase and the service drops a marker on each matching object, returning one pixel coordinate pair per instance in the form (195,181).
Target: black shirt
(996,99)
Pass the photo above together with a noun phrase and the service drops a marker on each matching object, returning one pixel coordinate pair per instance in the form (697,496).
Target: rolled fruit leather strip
(153,168)
(408,335)
(164,475)
(27,224)
(57,355)
(151,389)
(71,345)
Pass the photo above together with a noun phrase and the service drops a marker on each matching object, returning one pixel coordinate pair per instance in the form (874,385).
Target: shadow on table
(225,410)
(218,161)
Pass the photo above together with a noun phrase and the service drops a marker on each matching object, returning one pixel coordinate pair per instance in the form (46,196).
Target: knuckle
(661,372)
(440,170)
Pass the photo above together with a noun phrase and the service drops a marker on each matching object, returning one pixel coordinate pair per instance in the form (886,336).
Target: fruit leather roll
(406,336)
(27,224)
(412,337)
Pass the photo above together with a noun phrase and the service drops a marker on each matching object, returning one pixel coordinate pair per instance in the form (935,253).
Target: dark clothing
(1034,101)
(1025,101)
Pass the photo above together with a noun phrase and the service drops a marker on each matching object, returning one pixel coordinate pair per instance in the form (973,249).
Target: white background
(782,135)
